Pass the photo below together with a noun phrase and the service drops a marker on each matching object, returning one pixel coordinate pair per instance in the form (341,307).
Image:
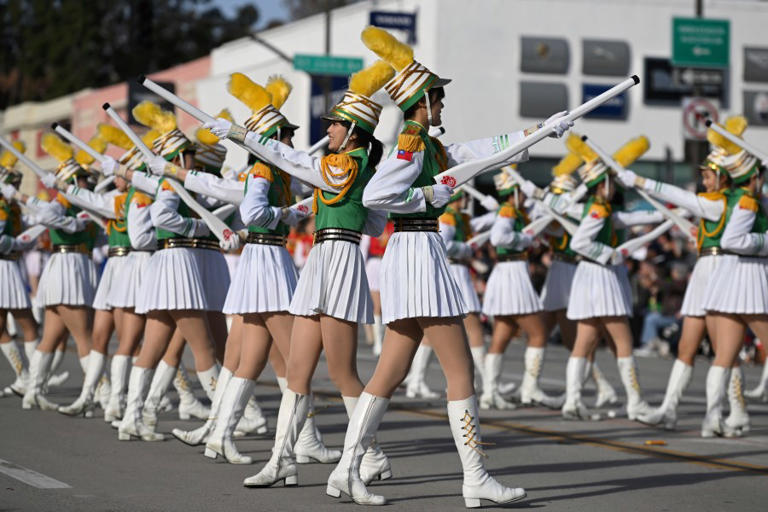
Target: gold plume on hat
(382,43)
(56,147)
(279,88)
(96,143)
(8,159)
(205,136)
(567,165)
(578,146)
(114,136)
(369,80)
(632,150)
(249,92)
(150,137)
(150,114)
(735,125)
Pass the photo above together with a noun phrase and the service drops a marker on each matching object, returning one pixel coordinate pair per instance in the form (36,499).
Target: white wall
(477,44)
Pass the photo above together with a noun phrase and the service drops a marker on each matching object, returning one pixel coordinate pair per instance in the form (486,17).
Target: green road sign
(702,43)
(327,64)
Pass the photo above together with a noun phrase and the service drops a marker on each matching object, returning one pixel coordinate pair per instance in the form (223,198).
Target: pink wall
(87,111)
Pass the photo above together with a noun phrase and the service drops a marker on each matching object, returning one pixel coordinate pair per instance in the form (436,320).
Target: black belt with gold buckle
(337,234)
(118,251)
(190,243)
(265,239)
(416,224)
(65,248)
(520,256)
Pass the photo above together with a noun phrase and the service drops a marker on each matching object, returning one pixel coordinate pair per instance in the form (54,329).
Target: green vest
(761,222)
(520,222)
(278,195)
(349,212)
(433,154)
(606,235)
(12,214)
(461,223)
(61,237)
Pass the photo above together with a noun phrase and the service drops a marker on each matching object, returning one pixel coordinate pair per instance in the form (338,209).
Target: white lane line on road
(30,477)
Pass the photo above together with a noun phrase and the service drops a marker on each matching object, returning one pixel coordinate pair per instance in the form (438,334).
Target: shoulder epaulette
(411,143)
(261,170)
(749,203)
(63,200)
(447,218)
(141,200)
(599,211)
(507,211)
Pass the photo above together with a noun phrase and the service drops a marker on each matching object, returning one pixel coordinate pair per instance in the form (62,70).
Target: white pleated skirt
(739,286)
(599,291)
(115,272)
(463,280)
(373,271)
(125,291)
(416,280)
(13,289)
(68,278)
(557,286)
(172,280)
(509,291)
(333,282)
(215,274)
(264,281)
(695,293)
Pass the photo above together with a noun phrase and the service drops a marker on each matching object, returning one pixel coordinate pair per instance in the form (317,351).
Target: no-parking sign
(695,113)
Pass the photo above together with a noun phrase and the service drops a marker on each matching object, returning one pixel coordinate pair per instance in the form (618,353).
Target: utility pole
(327,78)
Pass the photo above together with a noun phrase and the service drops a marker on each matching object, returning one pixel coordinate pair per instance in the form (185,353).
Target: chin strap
(429,109)
(349,134)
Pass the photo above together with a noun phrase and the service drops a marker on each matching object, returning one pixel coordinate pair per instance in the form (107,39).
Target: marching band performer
(419,295)
(331,295)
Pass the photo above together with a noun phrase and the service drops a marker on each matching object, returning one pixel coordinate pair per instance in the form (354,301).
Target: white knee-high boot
(38,372)
(231,407)
(132,425)
(56,379)
(164,374)
(378,335)
(16,360)
(375,464)
(491,398)
(463,416)
(200,434)
(417,384)
(119,377)
(252,421)
(364,421)
(309,448)
(605,392)
(574,408)
(717,380)
(189,405)
(679,378)
(530,392)
(761,390)
(84,403)
(635,403)
(281,466)
(478,358)
(737,422)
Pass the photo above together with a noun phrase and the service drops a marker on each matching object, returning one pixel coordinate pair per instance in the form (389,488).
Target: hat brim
(440,82)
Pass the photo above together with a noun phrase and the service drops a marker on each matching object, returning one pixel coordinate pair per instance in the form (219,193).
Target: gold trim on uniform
(118,251)
(64,248)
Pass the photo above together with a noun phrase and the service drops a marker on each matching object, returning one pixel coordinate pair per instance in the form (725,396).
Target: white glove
(199,228)
(531,190)
(524,240)
(8,191)
(619,256)
(490,203)
(157,165)
(48,180)
(231,243)
(109,166)
(627,179)
(219,127)
(561,127)
(290,216)
(84,216)
(437,195)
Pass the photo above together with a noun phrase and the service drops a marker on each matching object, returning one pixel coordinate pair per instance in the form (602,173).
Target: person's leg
(729,336)
(474,329)
(567,328)
(693,332)
(306,344)
(587,335)
(15,359)
(530,392)
(416,384)
(504,328)
(619,331)
(217,323)
(53,331)
(25,320)
(77,320)
(378,328)
(758,326)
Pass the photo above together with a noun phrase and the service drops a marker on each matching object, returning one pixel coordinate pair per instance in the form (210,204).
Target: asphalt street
(50,462)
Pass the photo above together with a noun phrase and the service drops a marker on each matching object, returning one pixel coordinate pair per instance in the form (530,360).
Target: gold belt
(118,251)
(458,262)
(333,234)
(713,251)
(416,224)
(520,256)
(64,248)
(189,243)
(565,258)
(265,239)
(11,256)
